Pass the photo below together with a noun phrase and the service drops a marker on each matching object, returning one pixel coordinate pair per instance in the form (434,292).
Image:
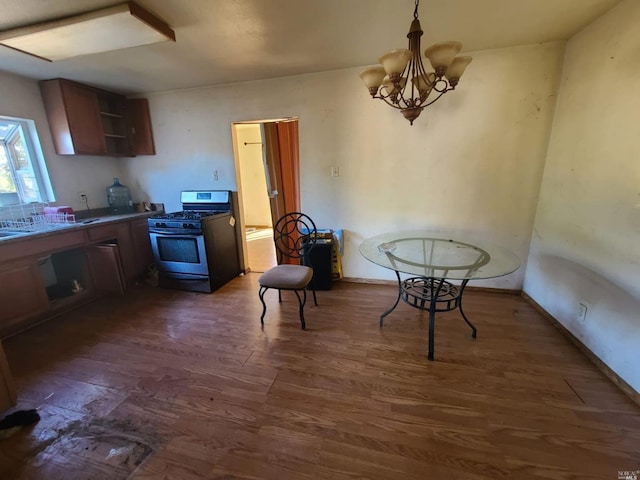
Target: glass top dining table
(439,255)
(432,259)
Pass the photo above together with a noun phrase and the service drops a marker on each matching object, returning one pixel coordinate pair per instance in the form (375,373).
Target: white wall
(586,244)
(257,208)
(69,174)
(472,162)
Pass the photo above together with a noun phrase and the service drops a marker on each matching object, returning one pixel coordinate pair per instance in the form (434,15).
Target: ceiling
(223,41)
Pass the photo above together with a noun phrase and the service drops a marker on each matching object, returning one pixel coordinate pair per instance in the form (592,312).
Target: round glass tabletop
(439,255)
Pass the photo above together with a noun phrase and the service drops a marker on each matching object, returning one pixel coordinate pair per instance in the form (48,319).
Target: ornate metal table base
(434,295)
(432,259)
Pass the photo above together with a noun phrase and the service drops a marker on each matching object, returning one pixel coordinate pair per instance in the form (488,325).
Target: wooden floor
(179,385)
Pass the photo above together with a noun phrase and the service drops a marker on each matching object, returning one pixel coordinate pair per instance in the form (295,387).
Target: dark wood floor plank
(192,388)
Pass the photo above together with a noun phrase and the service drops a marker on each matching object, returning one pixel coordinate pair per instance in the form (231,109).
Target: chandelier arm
(446,87)
(435,99)
(421,71)
(396,98)
(427,79)
(390,103)
(390,98)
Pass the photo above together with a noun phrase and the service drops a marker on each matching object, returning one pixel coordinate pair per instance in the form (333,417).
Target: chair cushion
(291,277)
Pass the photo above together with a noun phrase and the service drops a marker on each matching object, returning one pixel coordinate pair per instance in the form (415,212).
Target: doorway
(267,176)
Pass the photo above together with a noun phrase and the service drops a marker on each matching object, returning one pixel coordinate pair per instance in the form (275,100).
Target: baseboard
(603,367)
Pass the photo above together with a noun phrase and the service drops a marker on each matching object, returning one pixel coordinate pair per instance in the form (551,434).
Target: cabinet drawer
(107,232)
(42,244)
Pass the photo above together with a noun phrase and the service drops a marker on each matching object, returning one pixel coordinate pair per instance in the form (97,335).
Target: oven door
(179,251)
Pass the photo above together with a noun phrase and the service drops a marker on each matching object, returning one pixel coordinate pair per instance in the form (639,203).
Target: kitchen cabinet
(42,275)
(140,126)
(134,246)
(106,265)
(74,120)
(112,111)
(141,246)
(117,237)
(85,120)
(67,277)
(23,293)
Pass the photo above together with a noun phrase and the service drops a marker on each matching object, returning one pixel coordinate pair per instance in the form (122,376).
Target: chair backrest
(294,235)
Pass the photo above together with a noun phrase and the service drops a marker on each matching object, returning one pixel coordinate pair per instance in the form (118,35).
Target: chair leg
(280,296)
(302,301)
(315,301)
(261,293)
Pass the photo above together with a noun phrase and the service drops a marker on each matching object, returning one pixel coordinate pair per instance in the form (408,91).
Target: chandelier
(402,80)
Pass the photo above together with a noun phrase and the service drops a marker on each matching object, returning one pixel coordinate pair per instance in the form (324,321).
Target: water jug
(119,198)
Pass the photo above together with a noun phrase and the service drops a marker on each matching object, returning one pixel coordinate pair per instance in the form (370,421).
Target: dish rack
(30,217)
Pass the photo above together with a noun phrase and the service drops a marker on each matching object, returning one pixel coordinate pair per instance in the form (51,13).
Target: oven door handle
(175,232)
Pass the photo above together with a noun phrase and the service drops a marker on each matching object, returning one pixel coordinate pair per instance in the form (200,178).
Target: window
(23,174)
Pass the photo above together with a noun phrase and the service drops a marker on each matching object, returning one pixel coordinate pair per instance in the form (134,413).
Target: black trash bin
(319,257)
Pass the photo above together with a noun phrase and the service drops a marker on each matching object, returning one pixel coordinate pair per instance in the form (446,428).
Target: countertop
(85,221)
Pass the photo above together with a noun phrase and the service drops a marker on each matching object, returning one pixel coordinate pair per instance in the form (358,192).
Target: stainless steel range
(197,249)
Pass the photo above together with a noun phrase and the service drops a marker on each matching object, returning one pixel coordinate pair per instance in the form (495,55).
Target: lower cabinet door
(22,293)
(106,268)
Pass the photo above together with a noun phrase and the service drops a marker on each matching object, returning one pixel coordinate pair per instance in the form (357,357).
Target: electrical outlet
(215,175)
(583,307)
(82,196)
(335,171)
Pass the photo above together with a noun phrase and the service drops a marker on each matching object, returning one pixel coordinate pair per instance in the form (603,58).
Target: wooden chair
(294,235)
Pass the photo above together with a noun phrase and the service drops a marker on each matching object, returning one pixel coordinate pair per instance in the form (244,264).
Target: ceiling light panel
(114,28)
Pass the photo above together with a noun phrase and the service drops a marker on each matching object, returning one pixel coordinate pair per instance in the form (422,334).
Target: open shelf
(114,124)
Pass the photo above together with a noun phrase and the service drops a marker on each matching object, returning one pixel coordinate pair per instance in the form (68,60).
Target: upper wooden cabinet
(140,126)
(89,121)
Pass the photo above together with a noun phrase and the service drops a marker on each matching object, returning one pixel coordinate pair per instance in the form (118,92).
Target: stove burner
(188,215)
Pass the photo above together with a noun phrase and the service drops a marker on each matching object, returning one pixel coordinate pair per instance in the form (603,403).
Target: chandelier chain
(415,11)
